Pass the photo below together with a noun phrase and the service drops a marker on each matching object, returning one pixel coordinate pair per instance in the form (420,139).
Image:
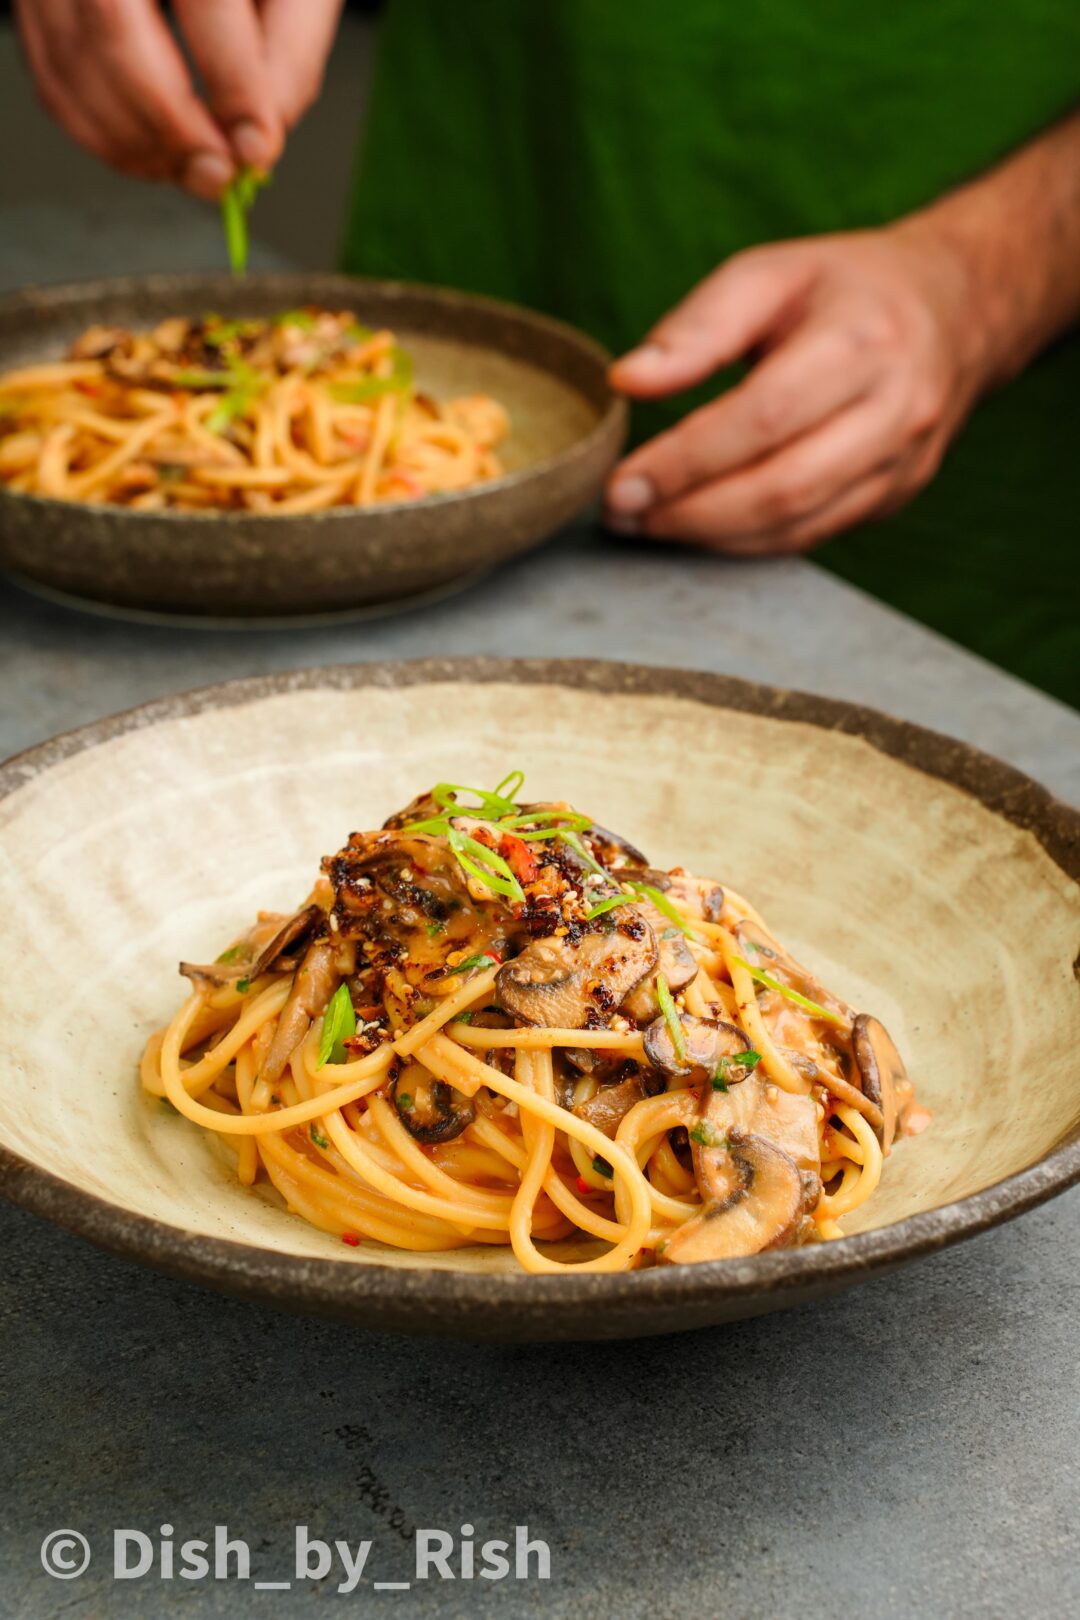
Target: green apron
(596,158)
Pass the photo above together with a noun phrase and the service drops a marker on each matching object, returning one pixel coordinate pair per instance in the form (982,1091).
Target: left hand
(868,359)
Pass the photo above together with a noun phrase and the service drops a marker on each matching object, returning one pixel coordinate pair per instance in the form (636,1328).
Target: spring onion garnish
(490,807)
(792,995)
(235,953)
(511,785)
(475,858)
(318,1138)
(609,904)
(472,962)
(236,203)
(706,1136)
(671,1017)
(399,381)
(243,986)
(602,1167)
(746,1061)
(339,1022)
(660,900)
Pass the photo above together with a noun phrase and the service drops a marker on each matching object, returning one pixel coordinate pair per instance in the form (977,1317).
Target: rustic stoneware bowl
(924,881)
(567,431)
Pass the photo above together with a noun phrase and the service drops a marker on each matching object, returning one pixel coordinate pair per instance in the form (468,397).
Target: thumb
(729,313)
(227,46)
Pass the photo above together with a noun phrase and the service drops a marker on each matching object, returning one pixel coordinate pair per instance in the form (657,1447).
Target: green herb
(609,904)
(463,1018)
(792,995)
(746,1061)
(236,203)
(243,986)
(535,823)
(246,387)
(233,954)
(365,389)
(511,785)
(671,1017)
(477,859)
(664,905)
(303,318)
(339,1022)
(705,1136)
(490,806)
(576,844)
(216,332)
(318,1139)
(471,962)
(404,1102)
(194,378)
(602,1167)
(434,928)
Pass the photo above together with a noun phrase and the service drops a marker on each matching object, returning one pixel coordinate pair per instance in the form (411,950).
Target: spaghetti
(304,411)
(494,1022)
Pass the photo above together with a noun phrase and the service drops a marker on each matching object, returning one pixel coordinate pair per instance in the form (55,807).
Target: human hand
(111,73)
(867,359)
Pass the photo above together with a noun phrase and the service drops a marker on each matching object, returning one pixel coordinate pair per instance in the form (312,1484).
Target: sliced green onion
(706,1136)
(792,995)
(511,786)
(364,389)
(602,1167)
(236,203)
(472,962)
(302,318)
(562,820)
(746,1061)
(235,953)
(671,1017)
(339,1022)
(609,904)
(486,865)
(575,841)
(490,807)
(318,1138)
(664,905)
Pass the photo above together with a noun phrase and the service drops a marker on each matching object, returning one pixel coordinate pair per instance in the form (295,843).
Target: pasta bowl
(566,430)
(918,877)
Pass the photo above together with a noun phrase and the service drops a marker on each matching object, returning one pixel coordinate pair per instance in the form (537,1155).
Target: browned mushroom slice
(763,951)
(884,1077)
(609,1107)
(292,933)
(675,961)
(430,1110)
(754,1200)
(611,849)
(707,1042)
(699,895)
(558,984)
(315,983)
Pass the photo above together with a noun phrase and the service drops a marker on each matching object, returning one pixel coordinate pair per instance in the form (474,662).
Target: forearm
(1014,234)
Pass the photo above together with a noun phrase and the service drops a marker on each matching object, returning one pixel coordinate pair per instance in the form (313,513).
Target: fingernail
(249,142)
(622,522)
(207,174)
(631,494)
(649,354)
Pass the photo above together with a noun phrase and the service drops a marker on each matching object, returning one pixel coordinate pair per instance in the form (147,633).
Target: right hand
(111,73)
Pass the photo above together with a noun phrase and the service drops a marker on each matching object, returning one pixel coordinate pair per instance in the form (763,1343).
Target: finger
(789,487)
(298,36)
(805,381)
(85,103)
(227,45)
(866,498)
(731,312)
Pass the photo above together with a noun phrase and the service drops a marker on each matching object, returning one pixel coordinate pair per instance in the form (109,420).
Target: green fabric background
(595,159)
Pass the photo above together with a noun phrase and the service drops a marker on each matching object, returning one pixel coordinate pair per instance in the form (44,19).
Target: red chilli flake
(583,1185)
(351,1239)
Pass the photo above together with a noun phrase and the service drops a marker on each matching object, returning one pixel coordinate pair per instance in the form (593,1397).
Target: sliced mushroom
(884,1078)
(675,961)
(612,849)
(763,951)
(430,1110)
(754,1201)
(315,983)
(292,933)
(557,983)
(700,895)
(609,1107)
(707,1040)
(841,1089)
(787,1119)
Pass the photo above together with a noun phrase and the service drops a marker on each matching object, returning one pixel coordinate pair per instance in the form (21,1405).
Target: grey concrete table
(909,1449)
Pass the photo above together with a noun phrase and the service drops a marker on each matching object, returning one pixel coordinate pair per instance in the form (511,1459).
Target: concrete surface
(908,1450)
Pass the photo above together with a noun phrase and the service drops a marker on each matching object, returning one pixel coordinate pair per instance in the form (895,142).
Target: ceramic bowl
(567,429)
(922,880)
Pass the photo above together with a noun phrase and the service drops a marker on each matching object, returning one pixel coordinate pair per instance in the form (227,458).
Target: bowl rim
(612,417)
(348,1286)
